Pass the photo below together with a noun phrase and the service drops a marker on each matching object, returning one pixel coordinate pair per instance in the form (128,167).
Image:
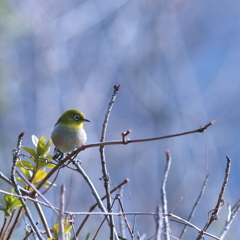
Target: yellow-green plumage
(68,132)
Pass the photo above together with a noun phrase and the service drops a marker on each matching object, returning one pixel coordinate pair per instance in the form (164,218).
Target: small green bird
(68,132)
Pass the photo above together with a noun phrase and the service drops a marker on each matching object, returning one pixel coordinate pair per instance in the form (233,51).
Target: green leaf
(46,164)
(8,199)
(49,165)
(24,164)
(55,228)
(39,176)
(48,145)
(11,201)
(67,229)
(28,173)
(17,203)
(43,149)
(35,140)
(41,163)
(41,146)
(31,151)
(47,183)
(7,213)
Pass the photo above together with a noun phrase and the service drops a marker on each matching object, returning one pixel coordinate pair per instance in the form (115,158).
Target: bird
(68,132)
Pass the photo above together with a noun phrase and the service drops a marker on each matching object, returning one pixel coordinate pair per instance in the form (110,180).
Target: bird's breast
(66,139)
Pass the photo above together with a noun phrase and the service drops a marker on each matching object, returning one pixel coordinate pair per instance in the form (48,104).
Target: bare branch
(90,184)
(195,206)
(43,219)
(131,232)
(35,189)
(166,227)
(116,142)
(95,205)
(159,220)
(220,202)
(16,186)
(106,217)
(106,176)
(61,213)
(234,210)
(191,225)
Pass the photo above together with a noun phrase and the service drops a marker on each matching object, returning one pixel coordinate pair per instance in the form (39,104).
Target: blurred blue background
(178,66)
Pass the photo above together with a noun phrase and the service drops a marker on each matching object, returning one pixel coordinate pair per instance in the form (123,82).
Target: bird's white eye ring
(76,117)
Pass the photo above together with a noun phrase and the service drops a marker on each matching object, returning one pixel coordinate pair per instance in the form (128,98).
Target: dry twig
(220,202)
(106,176)
(195,206)
(166,227)
(234,210)
(16,186)
(116,142)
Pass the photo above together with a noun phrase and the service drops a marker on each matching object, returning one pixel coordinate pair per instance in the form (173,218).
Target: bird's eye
(76,117)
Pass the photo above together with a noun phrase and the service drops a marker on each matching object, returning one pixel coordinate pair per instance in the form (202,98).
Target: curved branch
(116,142)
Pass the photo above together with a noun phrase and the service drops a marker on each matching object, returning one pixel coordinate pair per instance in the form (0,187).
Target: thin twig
(114,214)
(71,221)
(96,204)
(90,184)
(52,183)
(106,217)
(116,142)
(35,189)
(234,210)
(166,227)
(159,220)
(190,225)
(11,228)
(107,115)
(82,213)
(17,190)
(43,219)
(7,180)
(121,220)
(61,213)
(195,206)
(3,226)
(106,176)
(131,232)
(220,202)
(94,191)
(25,198)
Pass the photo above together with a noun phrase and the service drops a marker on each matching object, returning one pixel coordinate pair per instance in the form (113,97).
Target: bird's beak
(85,120)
